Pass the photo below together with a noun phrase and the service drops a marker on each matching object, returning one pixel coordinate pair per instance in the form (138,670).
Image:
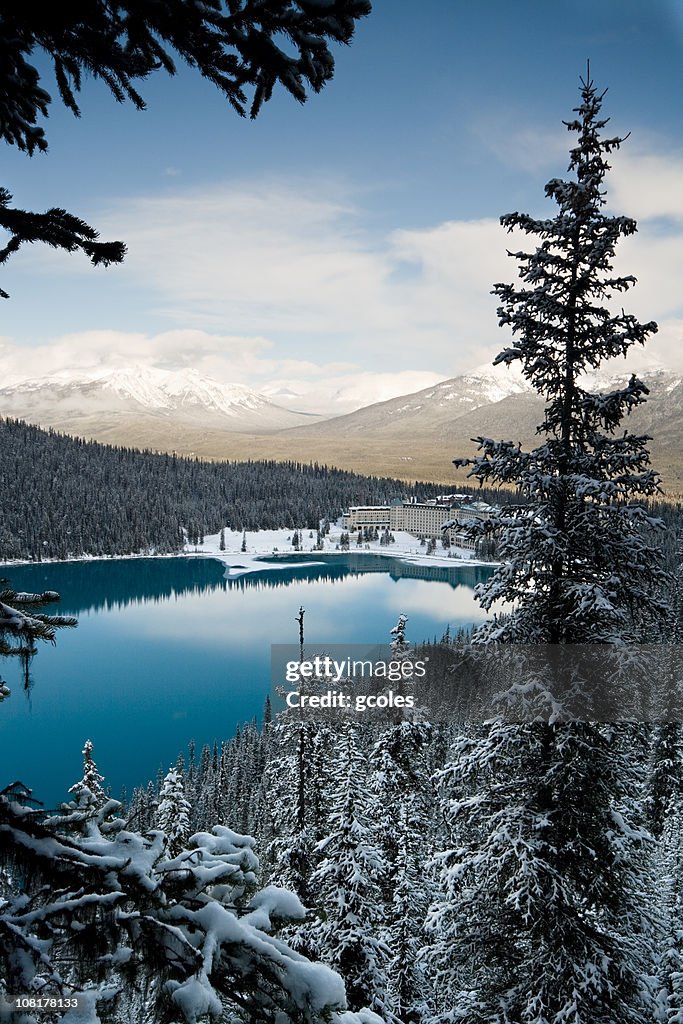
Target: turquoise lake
(169,649)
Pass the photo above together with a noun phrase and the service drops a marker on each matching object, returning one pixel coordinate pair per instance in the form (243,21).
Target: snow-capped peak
(494,383)
(173,389)
(155,389)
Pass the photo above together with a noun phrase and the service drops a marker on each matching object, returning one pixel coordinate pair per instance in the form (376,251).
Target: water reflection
(110,584)
(337,567)
(169,649)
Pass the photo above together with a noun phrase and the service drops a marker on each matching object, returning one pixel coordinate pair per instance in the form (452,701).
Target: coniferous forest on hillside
(65,498)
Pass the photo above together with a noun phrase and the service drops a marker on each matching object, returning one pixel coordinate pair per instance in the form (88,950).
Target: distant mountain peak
(184,395)
(187,388)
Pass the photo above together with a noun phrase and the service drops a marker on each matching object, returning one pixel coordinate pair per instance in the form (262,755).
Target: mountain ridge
(72,399)
(414,436)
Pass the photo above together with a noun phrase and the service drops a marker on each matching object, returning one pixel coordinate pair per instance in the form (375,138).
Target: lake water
(168,649)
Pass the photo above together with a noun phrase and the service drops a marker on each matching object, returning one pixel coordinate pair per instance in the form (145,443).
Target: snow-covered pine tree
(88,796)
(90,811)
(111,919)
(408,982)
(140,810)
(297,784)
(173,812)
(349,877)
(573,556)
(92,779)
(669,864)
(267,713)
(665,775)
(401,801)
(399,645)
(546,889)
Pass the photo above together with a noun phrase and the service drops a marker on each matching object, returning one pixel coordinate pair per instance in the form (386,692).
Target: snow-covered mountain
(428,410)
(137,396)
(495,400)
(415,436)
(179,389)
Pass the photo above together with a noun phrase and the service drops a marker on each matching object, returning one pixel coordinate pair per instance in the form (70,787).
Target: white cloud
(665,348)
(647,185)
(298,262)
(90,351)
(656,260)
(286,287)
(330,388)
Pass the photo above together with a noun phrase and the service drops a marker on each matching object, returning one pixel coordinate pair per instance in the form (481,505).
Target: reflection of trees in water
(339,567)
(268,579)
(117,583)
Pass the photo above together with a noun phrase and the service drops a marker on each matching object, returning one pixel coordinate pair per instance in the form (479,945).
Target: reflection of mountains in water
(117,583)
(332,568)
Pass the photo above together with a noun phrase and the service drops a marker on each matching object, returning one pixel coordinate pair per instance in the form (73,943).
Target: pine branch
(56,228)
(125,43)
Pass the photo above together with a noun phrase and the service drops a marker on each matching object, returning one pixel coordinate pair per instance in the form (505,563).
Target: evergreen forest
(66,498)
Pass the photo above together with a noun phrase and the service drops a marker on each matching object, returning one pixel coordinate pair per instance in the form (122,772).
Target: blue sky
(342,252)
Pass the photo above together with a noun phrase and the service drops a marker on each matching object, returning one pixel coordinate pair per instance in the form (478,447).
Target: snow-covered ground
(279,542)
(261,543)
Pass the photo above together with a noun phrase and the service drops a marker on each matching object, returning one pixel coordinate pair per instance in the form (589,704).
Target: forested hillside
(64,497)
(367,826)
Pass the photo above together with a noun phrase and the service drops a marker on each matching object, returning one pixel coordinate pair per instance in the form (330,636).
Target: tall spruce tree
(574,556)
(290,778)
(400,809)
(349,879)
(545,883)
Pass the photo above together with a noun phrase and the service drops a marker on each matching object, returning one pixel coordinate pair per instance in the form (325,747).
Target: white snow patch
(264,543)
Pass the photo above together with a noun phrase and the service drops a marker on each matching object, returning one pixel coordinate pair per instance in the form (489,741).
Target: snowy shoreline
(263,545)
(277,544)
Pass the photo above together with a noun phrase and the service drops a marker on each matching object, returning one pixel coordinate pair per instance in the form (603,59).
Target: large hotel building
(451,514)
